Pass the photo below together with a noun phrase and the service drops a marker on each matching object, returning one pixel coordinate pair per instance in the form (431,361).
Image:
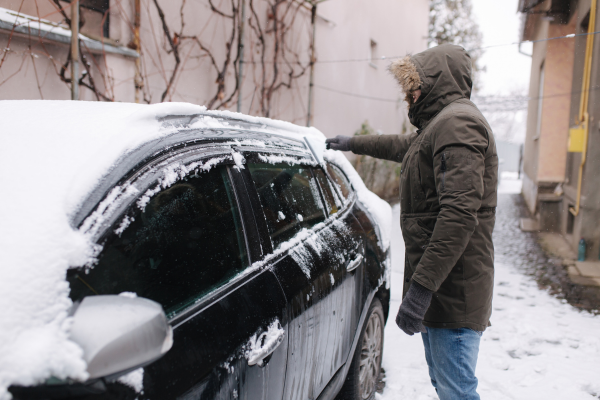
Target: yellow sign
(576,139)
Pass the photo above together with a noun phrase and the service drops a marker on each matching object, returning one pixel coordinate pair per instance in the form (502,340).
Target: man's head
(405,72)
(433,79)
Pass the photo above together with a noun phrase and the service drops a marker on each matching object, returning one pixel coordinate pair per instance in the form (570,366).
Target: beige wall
(345,30)
(536,28)
(554,131)
(398,27)
(545,153)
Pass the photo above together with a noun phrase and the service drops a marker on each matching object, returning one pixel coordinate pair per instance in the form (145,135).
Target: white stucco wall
(398,27)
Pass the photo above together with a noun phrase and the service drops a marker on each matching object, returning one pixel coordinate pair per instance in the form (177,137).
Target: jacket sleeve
(387,147)
(459,147)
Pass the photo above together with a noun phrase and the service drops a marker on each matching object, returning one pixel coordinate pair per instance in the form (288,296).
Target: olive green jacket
(448,191)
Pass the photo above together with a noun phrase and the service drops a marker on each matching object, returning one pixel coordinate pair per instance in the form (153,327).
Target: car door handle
(352,265)
(267,345)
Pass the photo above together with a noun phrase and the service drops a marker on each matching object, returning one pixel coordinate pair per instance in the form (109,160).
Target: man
(447,200)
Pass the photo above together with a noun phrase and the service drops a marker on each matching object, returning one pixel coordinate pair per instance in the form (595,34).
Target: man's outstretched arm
(387,147)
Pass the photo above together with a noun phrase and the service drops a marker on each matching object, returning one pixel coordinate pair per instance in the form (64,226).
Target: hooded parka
(448,187)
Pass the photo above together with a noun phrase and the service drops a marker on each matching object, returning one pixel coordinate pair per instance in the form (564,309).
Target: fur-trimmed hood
(443,74)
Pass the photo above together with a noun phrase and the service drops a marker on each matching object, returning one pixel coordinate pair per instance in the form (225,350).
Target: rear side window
(340,180)
(290,199)
(331,200)
(186,241)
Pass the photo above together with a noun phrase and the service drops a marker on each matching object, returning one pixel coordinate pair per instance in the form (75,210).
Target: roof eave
(91,45)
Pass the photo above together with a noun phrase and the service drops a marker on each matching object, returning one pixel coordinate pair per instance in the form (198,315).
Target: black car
(267,265)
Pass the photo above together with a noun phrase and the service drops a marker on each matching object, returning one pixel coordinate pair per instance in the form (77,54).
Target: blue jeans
(452,357)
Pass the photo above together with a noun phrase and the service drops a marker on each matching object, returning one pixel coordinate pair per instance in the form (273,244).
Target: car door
(189,243)
(365,231)
(311,269)
(352,249)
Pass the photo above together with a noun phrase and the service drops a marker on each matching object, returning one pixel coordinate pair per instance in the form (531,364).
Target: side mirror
(119,334)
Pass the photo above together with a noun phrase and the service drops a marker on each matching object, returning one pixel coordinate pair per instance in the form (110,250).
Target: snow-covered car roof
(53,154)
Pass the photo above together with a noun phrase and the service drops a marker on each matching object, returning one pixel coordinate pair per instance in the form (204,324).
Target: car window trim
(330,219)
(247,225)
(254,242)
(321,190)
(252,157)
(352,196)
(216,295)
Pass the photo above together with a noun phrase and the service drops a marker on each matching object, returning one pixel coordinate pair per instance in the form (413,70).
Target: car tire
(361,381)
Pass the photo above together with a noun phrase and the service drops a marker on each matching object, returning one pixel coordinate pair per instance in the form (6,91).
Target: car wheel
(361,381)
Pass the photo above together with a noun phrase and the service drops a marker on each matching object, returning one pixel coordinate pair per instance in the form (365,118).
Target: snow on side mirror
(119,334)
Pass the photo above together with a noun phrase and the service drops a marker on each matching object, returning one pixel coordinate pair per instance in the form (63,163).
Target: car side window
(185,242)
(290,199)
(331,200)
(340,180)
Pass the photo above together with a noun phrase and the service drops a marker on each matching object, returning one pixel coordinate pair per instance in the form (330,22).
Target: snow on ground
(538,347)
(510,183)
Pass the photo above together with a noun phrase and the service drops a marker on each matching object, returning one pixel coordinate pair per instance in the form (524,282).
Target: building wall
(537,29)
(398,27)
(31,68)
(545,156)
(547,161)
(587,225)
(345,30)
(554,130)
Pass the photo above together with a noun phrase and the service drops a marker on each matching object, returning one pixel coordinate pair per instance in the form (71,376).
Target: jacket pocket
(417,232)
(443,168)
(455,170)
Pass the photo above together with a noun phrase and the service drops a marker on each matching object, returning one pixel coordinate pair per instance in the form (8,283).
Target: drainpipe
(241,50)
(137,80)
(578,137)
(75,50)
(313,19)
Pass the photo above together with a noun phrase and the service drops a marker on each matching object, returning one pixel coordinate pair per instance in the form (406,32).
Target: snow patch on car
(124,224)
(239,160)
(283,159)
(262,340)
(319,239)
(117,196)
(174,173)
(134,379)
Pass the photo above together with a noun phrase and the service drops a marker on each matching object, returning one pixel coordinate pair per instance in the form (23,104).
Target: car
(233,258)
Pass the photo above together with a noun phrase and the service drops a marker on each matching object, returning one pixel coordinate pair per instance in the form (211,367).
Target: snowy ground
(539,347)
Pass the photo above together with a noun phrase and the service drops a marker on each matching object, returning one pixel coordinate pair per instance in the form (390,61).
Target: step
(585,273)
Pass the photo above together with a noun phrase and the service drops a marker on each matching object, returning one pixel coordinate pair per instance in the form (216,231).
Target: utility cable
(510,103)
(570,36)
(354,94)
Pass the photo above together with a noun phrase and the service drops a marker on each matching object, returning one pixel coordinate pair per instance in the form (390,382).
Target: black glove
(341,143)
(413,309)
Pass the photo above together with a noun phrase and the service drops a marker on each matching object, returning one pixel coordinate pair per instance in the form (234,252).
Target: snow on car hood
(52,155)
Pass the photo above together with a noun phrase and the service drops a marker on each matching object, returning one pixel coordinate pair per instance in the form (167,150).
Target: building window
(538,130)
(570,220)
(95,17)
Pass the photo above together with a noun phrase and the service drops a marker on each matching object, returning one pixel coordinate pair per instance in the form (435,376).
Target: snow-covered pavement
(539,347)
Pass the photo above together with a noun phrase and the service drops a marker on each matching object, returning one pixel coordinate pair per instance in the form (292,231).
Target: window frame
(352,196)
(147,176)
(251,156)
